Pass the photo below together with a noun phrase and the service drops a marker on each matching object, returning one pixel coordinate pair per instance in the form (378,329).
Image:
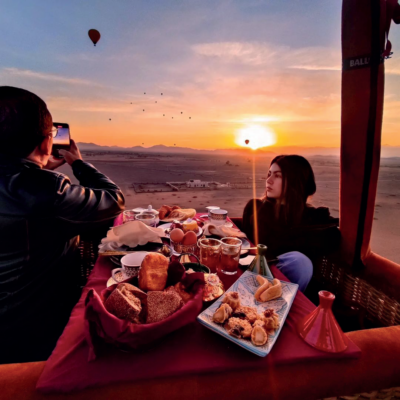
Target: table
(190,350)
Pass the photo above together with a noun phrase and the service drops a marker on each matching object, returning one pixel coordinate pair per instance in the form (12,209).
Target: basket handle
(190,254)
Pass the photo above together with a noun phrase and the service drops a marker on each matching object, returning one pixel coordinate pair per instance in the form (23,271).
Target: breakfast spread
(163,287)
(244,322)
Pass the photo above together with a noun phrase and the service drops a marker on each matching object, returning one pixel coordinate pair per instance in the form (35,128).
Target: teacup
(210,208)
(130,265)
(218,217)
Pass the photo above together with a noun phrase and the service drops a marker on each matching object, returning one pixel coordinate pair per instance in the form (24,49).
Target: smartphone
(62,140)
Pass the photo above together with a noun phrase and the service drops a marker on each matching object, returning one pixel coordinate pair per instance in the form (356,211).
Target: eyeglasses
(54,131)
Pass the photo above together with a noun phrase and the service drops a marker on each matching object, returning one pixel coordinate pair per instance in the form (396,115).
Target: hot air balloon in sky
(247,141)
(94,35)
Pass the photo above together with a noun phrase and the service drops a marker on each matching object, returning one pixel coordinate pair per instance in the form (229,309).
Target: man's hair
(24,119)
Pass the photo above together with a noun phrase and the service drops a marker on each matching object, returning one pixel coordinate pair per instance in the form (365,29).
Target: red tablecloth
(192,349)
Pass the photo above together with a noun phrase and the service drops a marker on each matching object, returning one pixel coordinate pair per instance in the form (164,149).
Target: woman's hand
(72,154)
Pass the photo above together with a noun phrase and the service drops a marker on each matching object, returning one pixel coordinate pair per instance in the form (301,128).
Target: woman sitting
(293,230)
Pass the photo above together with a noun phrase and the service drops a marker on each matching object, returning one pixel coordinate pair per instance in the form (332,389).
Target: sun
(255,136)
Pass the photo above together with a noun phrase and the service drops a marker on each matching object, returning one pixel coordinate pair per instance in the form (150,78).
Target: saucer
(120,277)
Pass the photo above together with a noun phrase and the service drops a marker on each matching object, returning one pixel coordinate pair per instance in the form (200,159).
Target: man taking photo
(41,215)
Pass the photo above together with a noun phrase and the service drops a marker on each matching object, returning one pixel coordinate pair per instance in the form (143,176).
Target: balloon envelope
(247,141)
(94,35)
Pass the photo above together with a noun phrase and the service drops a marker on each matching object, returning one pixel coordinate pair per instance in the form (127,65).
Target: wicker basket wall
(88,254)
(354,292)
(384,394)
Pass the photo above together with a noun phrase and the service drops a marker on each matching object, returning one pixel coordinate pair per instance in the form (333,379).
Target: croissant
(164,211)
(273,292)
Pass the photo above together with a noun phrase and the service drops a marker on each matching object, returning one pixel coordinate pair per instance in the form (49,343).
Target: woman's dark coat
(316,234)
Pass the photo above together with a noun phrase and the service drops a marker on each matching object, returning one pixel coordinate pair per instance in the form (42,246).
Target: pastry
(164,211)
(125,303)
(265,284)
(222,314)
(258,336)
(272,292)
(238,327)
(246,313)
(180,289)
(260,322)
(232,298)
(153,272)
(162,304)
(190,225)
(177,214)
(271,319)
(261,280)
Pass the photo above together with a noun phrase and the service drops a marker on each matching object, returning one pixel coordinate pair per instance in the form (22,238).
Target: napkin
(221,230)
(131,234)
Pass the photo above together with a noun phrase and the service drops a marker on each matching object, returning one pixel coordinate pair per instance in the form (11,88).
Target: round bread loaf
(153,272)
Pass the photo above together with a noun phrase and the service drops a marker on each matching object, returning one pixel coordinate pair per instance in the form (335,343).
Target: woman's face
(274,182)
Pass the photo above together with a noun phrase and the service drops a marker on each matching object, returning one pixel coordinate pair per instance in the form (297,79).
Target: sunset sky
(226,64)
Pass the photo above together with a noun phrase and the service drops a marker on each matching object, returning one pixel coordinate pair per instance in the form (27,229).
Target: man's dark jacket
(41,214)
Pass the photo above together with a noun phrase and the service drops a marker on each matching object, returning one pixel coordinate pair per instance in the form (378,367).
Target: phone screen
(62,140)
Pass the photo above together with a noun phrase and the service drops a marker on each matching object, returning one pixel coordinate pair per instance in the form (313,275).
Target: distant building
(197,183)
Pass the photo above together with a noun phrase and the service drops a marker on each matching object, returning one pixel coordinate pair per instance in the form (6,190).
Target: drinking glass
(230,254)
(129,215)
(148,219)
(210,253)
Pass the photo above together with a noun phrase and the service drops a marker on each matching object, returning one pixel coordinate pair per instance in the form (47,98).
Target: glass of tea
(230,254)
(210,253)
(129,215)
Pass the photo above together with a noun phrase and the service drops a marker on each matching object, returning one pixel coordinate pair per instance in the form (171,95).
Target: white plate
(167,226)
(246,286)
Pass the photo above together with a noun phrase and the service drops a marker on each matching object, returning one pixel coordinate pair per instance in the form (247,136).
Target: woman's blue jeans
(296,267)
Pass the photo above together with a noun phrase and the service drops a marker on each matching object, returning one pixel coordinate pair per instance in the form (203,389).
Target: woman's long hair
(298,183)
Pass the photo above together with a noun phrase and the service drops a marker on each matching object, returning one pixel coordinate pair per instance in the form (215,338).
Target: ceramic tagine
(320,328)
(259,265)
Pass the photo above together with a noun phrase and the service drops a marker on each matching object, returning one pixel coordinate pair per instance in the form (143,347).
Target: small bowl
(196,267)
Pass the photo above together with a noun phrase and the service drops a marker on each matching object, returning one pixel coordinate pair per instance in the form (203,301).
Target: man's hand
(72,154)
(54,163)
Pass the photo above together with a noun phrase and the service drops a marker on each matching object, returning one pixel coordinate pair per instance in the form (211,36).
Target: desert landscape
(128,168)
